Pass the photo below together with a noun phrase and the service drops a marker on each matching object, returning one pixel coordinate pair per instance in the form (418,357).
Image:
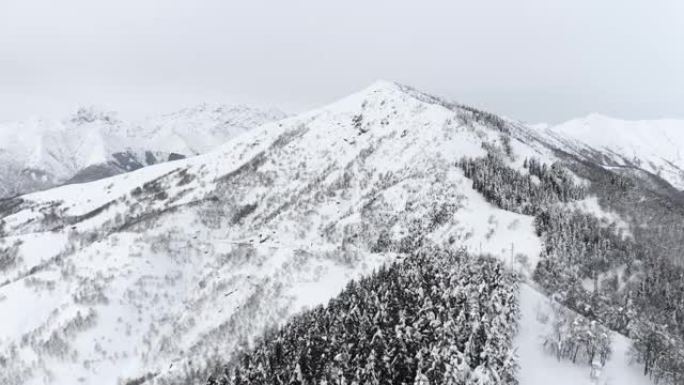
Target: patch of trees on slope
(436,317)
(635,287)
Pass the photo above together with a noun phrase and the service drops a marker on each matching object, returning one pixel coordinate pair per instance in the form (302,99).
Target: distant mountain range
(92,144)
(654,146)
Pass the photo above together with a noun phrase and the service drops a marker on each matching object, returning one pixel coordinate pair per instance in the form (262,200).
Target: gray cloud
(536,60)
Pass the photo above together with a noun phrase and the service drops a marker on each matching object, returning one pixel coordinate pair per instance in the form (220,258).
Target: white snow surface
(656,146)
(164,269)
(539,368)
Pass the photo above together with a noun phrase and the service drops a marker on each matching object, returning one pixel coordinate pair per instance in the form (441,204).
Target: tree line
(437,317)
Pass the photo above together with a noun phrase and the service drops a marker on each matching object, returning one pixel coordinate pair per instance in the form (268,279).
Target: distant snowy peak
(60,147)
(656,146)
(93,143)
(92,114)
(199,129)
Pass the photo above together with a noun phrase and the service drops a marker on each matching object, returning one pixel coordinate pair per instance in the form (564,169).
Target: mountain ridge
(652,145)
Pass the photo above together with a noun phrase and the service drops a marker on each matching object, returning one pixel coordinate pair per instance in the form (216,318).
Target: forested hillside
(437,317)
(616,278)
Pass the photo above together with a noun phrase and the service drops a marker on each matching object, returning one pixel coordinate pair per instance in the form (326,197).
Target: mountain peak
(597,116)
(387,89)
(384,85)
(92,114)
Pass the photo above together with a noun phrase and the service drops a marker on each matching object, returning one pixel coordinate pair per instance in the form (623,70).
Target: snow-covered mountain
(655,146)
(201,128)
(156,274)
(38,153)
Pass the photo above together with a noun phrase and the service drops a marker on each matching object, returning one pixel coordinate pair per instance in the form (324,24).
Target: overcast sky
(535,60)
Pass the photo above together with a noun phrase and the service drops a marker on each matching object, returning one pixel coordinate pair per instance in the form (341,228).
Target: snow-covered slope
(156,273)
(656,146)
(540,368)
(37,153)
